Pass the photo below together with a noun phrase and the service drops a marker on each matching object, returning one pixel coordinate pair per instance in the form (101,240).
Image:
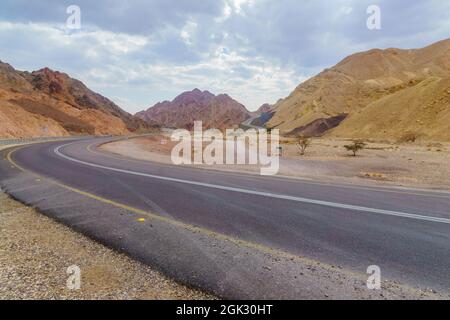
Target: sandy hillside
(380,83)
(420,112)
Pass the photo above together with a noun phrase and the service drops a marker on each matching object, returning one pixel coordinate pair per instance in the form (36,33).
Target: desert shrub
(355,147)
(302,144)
(408,137)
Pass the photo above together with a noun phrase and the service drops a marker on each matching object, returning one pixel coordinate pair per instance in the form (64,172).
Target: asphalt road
(248,123)
(405,232)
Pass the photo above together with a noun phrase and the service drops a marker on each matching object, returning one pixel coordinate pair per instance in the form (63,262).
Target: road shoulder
(37,251)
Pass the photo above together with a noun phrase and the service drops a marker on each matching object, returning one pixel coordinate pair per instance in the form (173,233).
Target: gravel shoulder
(36,251)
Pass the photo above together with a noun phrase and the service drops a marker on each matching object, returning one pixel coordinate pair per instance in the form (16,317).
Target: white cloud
(188,31)
(227,12)
(239,5)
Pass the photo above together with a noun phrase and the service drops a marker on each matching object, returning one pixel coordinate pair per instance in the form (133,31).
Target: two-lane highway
(405,232)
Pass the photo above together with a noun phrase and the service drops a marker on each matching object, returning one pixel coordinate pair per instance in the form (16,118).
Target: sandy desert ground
(420,164)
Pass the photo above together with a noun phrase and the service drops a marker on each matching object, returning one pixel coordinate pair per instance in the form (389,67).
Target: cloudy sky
(144,51)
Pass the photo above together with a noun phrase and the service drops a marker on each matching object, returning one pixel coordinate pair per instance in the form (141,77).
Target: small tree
(356,146)
(302,144)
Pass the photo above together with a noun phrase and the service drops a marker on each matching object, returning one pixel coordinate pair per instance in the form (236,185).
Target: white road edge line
(259,193)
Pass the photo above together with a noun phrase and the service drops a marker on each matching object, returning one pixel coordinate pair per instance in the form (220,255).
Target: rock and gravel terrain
(36,251)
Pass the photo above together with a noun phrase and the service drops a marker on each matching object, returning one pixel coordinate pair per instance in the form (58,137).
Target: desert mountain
(262,115)
(418,112)
(219,111)
(50,103)
(380,94)
(265,108)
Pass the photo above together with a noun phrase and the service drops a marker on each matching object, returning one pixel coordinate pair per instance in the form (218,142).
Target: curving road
(405,232)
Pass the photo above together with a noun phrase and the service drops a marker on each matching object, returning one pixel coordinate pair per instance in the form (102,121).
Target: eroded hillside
(384,93)
(50,103)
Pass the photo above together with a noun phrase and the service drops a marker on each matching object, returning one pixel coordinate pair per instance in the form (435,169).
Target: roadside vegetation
(355,147)
(303,143)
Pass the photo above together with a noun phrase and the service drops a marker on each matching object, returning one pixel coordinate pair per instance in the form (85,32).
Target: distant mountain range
(379,94)
(50,103)
(219,111)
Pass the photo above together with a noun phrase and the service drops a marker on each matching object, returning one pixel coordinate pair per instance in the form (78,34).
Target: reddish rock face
(74,92)
(221,111)
(48,81)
